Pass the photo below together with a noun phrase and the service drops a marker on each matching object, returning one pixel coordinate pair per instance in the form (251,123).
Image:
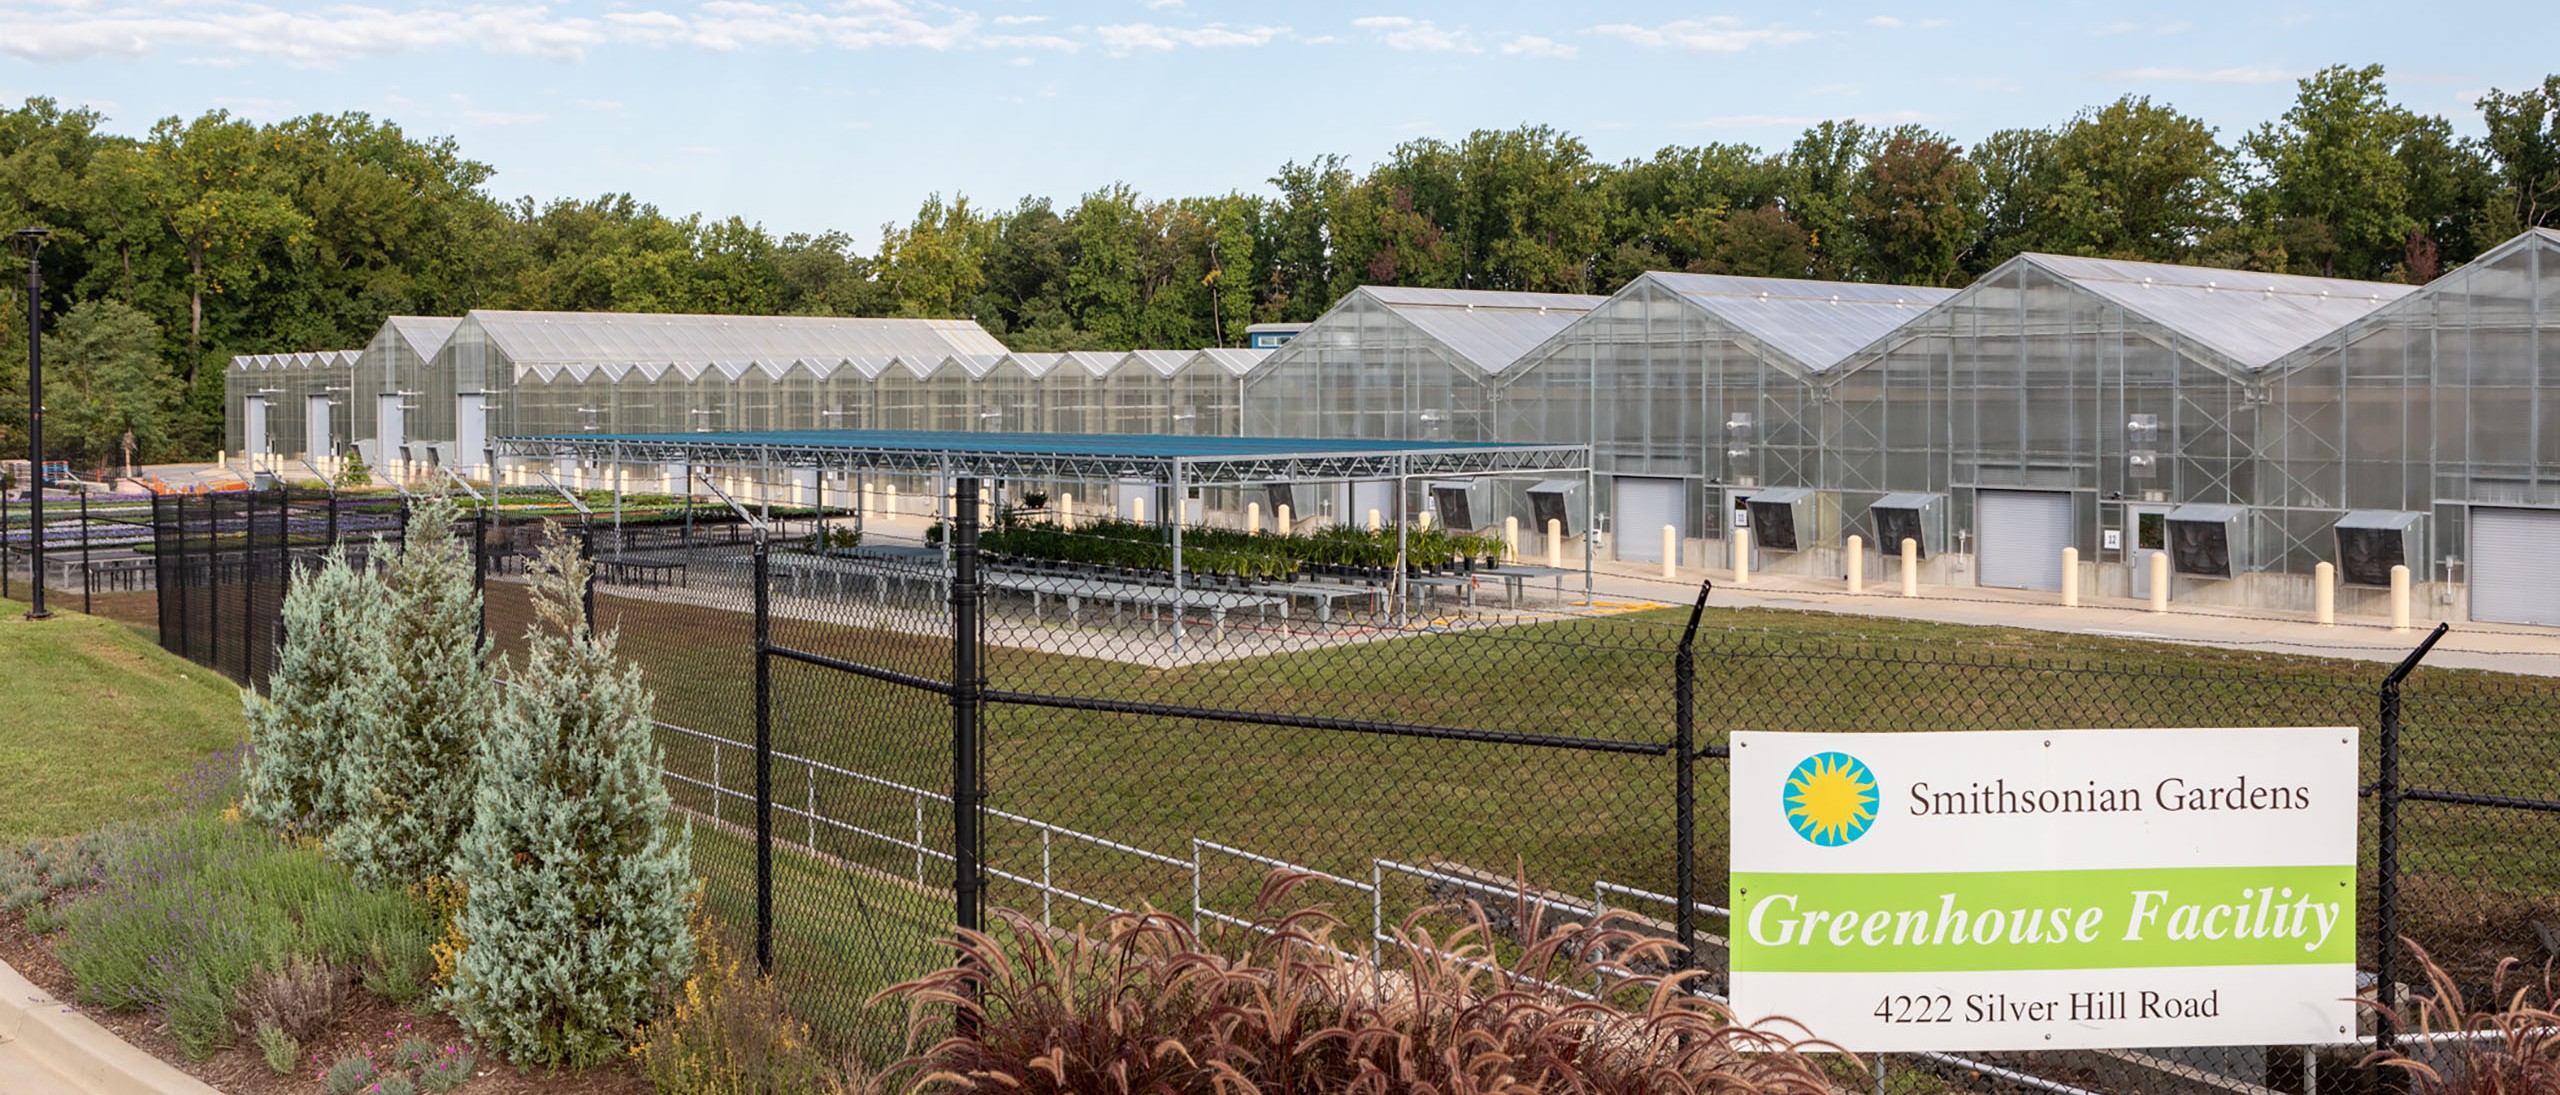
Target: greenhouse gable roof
(1234,361)
(424,334)
(2250,318)
(2455,282)
(1490,330)
(1817,323)
(536,337)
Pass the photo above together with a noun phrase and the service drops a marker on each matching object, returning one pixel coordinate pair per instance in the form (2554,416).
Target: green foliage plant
(407,782)
(349,1074)
(325,693)
(576,880)
(194,906)
(279,1049)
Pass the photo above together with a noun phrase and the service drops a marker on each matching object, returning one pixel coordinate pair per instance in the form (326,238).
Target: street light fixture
(30,241)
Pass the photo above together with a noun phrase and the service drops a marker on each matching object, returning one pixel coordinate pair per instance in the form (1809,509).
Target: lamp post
(31,241)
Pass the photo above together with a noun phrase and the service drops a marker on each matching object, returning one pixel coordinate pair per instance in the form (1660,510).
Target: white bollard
(1280,521)
(2400,598)
(1066,511)
(2159,581)
(1555,544)
(2071,577)
(2324,593)
(1138,508)
(1910,567)
(1374,523)
(1511,539)
(1857,572)
(1670,551)
(889,499)
(1742,556)
(1253,518)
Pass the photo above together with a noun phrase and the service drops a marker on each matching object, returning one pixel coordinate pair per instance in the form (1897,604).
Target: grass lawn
(93,717)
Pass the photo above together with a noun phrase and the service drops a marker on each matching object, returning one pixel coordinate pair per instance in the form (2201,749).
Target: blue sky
(826,114)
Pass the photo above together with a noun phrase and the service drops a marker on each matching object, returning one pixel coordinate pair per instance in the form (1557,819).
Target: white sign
(2113,539)
(2074,889)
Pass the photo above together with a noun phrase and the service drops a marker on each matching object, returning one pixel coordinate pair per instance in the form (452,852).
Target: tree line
(205,238)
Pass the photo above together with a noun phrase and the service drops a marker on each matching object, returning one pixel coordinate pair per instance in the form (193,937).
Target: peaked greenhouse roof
(1816,323)
(424,334)
(2460,281)
(2251,319)
(1488,330)
(547,337)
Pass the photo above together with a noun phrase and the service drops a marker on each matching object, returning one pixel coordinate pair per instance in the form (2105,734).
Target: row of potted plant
(1226,553)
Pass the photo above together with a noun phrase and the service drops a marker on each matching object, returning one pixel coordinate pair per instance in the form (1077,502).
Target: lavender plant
(325,693)
(407,779)
(576,881)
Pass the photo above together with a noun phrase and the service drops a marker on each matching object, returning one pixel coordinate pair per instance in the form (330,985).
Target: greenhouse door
(1644,506)
(253,427)
(471,432)
(315,430)
(389,440)
(2150,537)
(2513,580)
(2020,535)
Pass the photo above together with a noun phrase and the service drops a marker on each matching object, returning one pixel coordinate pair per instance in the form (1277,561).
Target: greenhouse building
(2426,434)
(2243,427)
(2057,402)
(1698,393)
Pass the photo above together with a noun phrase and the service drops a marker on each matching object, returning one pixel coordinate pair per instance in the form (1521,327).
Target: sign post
(2081,889)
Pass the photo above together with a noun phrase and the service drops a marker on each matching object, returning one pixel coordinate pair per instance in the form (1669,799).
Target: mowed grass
(95,719)
(1563,818)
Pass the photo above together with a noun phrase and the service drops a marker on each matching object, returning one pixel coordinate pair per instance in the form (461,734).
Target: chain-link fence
(876,733)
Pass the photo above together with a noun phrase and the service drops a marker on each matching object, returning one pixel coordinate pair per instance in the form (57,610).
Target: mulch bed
(368,1023)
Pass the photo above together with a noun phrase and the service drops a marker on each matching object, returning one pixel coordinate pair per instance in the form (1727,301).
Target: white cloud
(1720,34)
(1896,22)
(1794,121)
(1531,45)
(1123,39)
(2241,74)
(1886,21)
(1417,35)
(1018,20)
(56,33)
(1163,5)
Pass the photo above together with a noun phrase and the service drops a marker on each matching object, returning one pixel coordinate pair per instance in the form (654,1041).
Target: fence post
(1684,748)
(764,757)
(2386,858)
(965,687)
(587,554)
(248,589)
(480,566)
(84,552)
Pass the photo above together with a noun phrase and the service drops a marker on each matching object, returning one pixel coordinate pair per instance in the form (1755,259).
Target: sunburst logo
(1831,799)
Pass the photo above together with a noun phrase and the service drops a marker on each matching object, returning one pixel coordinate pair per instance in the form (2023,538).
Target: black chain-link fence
(839,711)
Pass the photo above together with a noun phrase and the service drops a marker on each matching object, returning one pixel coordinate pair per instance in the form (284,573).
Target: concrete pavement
(2499,647)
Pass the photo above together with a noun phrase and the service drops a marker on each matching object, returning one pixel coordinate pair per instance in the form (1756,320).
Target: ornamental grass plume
(325,692)
(407,782)
(1141,1005)
(2512,1047)
(576,883)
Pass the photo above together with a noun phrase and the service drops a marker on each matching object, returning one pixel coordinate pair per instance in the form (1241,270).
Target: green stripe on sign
(2043,920)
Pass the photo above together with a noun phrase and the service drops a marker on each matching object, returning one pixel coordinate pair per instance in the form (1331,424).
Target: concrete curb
(88,1057)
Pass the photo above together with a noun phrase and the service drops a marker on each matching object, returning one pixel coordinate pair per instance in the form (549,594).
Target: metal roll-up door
(2020,535)
(2514,579)
(1645,505)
